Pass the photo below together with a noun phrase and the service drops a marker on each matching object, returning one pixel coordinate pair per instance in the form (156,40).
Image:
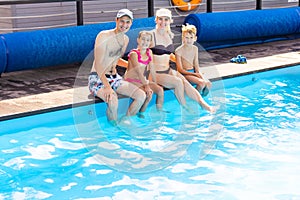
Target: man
(104,81)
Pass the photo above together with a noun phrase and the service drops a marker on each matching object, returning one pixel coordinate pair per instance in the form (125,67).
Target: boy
(187,60)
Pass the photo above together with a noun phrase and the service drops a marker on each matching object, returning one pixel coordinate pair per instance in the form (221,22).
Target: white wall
(5,22)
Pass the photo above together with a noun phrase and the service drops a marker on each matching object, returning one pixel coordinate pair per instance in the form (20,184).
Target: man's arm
(100,50)
(121,62)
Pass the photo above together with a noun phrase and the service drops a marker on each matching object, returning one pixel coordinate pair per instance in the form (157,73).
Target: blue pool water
(249,149)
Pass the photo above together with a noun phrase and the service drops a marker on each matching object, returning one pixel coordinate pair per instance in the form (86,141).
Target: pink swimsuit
(145,62)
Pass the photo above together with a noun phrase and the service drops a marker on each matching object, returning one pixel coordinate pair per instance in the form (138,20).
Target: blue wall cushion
(42,48)
(3,54)
(244,27)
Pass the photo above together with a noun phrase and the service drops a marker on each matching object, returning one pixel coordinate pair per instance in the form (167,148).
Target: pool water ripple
(256,154)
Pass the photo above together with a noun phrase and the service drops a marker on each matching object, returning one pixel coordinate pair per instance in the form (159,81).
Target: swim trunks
(95,83)
(167,71)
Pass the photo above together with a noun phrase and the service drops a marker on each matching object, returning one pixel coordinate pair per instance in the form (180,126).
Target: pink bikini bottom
(132,80)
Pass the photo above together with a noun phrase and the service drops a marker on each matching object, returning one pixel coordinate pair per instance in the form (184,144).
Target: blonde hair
(146,33)
(164,12)
(189,28)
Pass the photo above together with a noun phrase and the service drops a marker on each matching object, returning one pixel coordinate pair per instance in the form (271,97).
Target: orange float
(186,6)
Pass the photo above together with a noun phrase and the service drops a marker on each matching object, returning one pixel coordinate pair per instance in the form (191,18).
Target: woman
(163,52)
(140,71)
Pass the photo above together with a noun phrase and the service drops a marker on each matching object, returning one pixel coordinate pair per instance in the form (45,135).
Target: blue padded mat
(224,29)
(53,47)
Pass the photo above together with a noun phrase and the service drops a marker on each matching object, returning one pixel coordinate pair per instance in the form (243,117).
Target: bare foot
(213,109)
(125,121)
(140,115)
(188,109)
(113,122)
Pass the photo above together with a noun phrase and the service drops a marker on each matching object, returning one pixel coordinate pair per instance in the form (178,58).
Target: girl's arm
(136,66)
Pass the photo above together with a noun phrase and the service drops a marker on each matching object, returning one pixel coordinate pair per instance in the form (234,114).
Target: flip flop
(240,59)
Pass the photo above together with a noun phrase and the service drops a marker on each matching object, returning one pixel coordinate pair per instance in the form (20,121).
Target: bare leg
(198,81)
(146,103)
(159,91)
(192,93)
(112,106)
(208,84)
(135,93)
(172,82)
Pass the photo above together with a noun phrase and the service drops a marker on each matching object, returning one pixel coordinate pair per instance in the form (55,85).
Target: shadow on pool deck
(44,80)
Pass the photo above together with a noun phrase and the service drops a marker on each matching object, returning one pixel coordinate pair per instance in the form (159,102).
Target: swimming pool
(249,150)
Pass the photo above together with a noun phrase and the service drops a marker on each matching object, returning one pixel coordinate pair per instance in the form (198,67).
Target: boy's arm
(196,63)
(179,65)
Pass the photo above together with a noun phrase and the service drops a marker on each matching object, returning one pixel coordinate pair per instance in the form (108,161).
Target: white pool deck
(10,108)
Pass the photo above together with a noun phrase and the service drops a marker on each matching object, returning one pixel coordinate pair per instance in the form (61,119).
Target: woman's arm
(152,74)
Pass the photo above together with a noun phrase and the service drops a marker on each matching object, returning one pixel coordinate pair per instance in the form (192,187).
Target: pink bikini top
(145,62)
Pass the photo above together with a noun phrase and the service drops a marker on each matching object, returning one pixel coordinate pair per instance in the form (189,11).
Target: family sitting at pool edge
(148,69)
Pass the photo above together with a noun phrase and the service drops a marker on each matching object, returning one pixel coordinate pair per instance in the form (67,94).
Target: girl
(140,71)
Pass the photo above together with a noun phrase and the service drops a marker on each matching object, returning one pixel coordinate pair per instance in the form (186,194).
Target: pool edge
(56,103)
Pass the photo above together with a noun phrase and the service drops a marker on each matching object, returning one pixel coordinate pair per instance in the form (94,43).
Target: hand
(148,91)
(198,75)
(108,94)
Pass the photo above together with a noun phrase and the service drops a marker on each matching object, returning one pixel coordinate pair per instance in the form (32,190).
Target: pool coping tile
(55,100)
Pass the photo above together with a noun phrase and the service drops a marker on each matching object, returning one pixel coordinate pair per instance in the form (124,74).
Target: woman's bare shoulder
(195,47)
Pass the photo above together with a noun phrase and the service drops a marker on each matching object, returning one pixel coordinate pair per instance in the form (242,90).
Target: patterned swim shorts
(95,83)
